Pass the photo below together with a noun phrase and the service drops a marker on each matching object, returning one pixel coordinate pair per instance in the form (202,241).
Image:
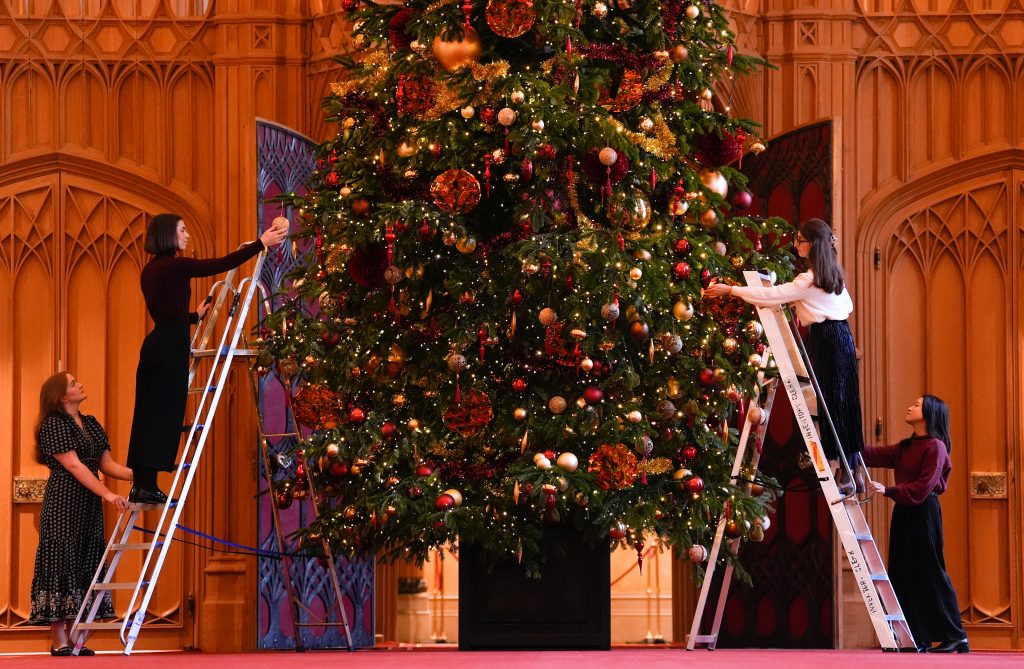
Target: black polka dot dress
(71,536)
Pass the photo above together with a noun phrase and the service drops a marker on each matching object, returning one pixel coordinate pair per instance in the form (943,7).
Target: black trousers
(830,346)
(161,389)
(917,568)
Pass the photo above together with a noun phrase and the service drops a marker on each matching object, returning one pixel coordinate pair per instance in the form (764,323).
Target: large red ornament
(519,385)
(715,151)
(396,29)
(593,395)
(681,246)
(366,265)
(615,466)
(695,485)
(706,376)
(424,470)
(444,502)
(415,94)
(455,191)
(510,18)
(681,270)
(469,416)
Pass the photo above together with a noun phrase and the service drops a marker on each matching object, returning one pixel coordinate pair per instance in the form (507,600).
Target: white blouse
(812,304)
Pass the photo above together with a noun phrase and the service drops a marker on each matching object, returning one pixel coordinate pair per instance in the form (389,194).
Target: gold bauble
(683,311)
(709,218)
(548,316)
(752,331)
(557,404)
(629,208)
(455,54)
(466,245)
(714,181)
(729,345)
(519,413)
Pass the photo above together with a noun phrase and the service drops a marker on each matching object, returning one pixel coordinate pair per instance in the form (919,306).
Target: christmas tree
(500,326)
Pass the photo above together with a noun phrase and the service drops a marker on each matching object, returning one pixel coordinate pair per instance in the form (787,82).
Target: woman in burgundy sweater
(916,563)
(161,380)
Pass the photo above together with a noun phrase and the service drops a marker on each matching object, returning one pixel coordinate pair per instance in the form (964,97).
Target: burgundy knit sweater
(921,465)
(165,281)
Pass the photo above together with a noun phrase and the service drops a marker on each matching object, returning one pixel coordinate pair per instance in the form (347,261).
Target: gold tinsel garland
(655,466)
(447,99)
(374,59)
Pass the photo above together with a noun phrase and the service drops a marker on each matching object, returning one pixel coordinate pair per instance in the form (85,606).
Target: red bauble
(689,452)
(593,395)
(705,277)
(706,376)
(681,270)
(284,500)
(488,115)
(639,331)
(388,430)
(742,199)
(694,485)
(681,246)
(617,532)
(332,179)
(425,232)
(517,297)
(357,415)
(519,385)
(415,492)
(455,191)
(733,529)
(338,469)
(349,5)
(510,18)
(444,502)
(331,339)
(424,470)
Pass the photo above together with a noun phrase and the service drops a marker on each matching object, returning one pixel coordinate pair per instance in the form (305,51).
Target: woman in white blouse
(822,302)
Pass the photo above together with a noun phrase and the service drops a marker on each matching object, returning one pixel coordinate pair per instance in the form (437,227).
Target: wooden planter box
(569,607)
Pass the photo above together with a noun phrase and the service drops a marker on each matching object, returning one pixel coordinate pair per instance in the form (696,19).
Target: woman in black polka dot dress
(71,536)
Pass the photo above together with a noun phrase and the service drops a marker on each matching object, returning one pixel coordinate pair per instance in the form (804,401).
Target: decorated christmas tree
(500,325)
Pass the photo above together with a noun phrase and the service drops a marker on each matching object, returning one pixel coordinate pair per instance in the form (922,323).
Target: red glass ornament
(444,502)
(705,277)
(593,395)
(357,415)
(681,246)
(706,376)
(388,430)
(695,484)
(415,492)
(519,385)
(338,469)
(689,452)
(424,470)
(681,270)
(488,115)
(517,297)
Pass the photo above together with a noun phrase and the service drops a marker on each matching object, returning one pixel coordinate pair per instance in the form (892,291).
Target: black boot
(955,646)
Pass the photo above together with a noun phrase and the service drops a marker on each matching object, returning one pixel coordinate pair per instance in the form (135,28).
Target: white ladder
(156,549)
(795,378)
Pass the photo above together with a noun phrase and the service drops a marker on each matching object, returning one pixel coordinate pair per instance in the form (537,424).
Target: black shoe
(957,646)
(63,651)
(85,651)
(143,496)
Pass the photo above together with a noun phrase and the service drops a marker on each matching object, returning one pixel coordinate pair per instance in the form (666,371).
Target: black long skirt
(830,345)
(161,390)
(917,568)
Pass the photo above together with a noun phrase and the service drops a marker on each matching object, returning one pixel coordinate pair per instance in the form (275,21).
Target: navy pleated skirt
(830,345)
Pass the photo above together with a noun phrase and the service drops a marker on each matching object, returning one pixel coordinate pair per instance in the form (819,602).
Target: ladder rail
(694,636)
(225,357)
(219,292)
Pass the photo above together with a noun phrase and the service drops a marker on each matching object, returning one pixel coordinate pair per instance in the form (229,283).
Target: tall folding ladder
(796,379)
(296,603)
(157,547)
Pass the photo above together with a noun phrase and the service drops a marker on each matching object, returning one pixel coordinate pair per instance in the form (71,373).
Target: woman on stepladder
(161,380)
(71,538)
(917,567)
(822,302)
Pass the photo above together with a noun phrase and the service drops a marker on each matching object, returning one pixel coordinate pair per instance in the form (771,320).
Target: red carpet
(619,658)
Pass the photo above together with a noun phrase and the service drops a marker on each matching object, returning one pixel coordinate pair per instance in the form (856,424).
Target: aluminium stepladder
(796,379)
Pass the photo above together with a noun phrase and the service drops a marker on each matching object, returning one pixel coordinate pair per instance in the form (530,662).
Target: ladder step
(210,352)
(863,537)
(136,546)
(281,434)
(136,506)
(99,626)
(116,586)
(895,617)
(879,577)
(196,391)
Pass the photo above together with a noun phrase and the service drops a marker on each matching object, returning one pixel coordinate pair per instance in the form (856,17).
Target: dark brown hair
(162,234)
(823,258)
(50,404)
(936,419)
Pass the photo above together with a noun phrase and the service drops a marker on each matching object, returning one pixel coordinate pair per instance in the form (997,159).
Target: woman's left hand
(718,290)
(878,487)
